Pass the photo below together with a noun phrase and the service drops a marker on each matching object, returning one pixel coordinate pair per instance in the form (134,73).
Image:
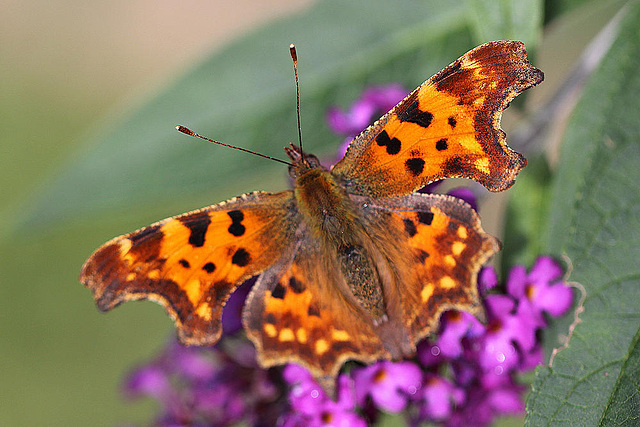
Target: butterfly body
(353,264)
(365,275)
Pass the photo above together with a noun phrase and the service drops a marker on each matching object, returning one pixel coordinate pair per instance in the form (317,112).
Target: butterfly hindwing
(192,262)
(297,313)
(444,247)
(448,127)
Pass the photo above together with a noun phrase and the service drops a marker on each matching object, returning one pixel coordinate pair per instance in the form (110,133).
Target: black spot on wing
(183,262)
(415,165)
(236,228)
(452,122)
(409,227)
(313,310)
(209,267)
(241,257)
(422,255)
(392,145)
(296,286)
(410,112)
(198,225)
(425,218)
(441,145)
(279,291)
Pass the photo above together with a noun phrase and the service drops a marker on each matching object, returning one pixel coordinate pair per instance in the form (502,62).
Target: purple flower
(456,325)
(220,402)
(483,404)
(440,398)
(542,290)
(374,101)
(149,381)
(497,349)
(191,363)
(429,354)
(208,386)
(532,358)
(487,279)
(232,313)
(306,395)
(465,194)
(310,405)
(389,384)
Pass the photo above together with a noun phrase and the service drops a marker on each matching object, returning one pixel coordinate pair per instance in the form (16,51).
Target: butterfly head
(301,162)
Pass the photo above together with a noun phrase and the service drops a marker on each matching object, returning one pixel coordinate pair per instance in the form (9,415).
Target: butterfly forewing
(192,262)
(447,127)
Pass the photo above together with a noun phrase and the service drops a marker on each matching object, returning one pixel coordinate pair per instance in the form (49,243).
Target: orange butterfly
(353,264)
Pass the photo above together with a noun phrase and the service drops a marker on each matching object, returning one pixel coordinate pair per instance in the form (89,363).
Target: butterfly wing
(444,248)
(448,127)
(192,262)
(297,313)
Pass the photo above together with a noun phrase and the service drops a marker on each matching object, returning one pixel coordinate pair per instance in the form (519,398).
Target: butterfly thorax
(332,220)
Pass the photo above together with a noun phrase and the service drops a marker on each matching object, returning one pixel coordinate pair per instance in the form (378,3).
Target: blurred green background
(69,70)
(66,67)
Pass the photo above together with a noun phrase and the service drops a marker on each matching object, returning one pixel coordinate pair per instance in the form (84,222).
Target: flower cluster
(209,386)
(464,376)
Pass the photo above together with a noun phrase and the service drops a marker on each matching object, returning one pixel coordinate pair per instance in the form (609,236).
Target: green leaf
(244,95)
(595,222)
(506,19)
(556,8)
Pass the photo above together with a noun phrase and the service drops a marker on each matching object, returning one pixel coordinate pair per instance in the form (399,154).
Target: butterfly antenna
(189,132)
(294,57)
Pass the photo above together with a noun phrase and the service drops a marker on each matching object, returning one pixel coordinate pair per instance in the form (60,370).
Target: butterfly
(353,263)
